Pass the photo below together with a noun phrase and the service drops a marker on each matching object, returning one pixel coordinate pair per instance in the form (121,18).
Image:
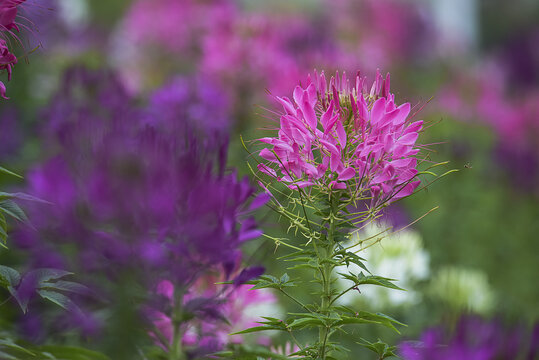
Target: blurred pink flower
(241,306)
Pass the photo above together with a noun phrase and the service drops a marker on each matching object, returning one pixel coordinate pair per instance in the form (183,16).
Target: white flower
(397,256)
(462,289)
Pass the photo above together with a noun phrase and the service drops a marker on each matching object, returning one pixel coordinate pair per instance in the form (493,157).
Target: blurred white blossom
(462,289)
(398,256)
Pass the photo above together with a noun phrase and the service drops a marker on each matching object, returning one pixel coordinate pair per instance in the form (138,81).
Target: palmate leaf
(351,316)
(382,349)
(348,258)
(46,283)
(270,281)
(58,299)
(9,276)
(10,208)
(361,279)
(270,324)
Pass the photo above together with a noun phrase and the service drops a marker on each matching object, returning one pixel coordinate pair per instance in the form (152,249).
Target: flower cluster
(337,136)
(8,13)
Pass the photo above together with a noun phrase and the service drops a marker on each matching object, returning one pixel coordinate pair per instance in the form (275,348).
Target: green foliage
(382,349)
(47,285)
(245,352)
(13,350)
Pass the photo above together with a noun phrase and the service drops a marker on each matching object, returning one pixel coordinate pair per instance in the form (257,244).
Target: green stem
(327,268)
(176,351)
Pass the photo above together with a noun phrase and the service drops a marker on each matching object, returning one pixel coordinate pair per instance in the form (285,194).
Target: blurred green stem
(176,351)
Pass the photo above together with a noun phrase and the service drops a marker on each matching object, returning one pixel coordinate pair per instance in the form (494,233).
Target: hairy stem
(327,268)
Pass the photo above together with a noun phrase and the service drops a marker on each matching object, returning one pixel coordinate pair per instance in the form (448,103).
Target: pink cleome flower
(8,13)
(241,306)
(338,136)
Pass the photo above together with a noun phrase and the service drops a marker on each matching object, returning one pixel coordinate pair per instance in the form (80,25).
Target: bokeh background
(471,66)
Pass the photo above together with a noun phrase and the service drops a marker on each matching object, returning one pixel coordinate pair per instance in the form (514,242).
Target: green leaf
(364,317)
(246,352)
(382,349)
(6,356)
(3,229)
(259,328)
(9,344)
(305,322)
(6,171)
(350,257)
(45,275)
(376,280)
(9,276)
(11,208)
(72,353)
(66,286)
(58,299)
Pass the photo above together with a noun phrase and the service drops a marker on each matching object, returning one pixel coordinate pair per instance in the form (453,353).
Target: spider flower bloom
(336,135)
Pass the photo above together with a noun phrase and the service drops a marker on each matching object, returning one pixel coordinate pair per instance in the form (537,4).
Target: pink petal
(378,111)
(341,134)
(287,105)
(326,117)
(3,91)
(347,174)
(408,139)
(337,185)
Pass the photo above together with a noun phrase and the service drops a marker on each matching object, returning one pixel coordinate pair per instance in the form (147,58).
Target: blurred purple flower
(136,184)
(138,188)
(473,339)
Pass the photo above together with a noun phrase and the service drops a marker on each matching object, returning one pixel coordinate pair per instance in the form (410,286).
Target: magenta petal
(3,91)
(407,190)
(311,95)
(378,111)
(341,134)
(268,155)
(335,163)
(287,105)
(347,174)
(331,147)
(326,117)
(408,139)
(414,127)
(300,184)
(403,112)
(267,170)
(249,235)
(337,185)
(298,95)
(259,200)
(308,112)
